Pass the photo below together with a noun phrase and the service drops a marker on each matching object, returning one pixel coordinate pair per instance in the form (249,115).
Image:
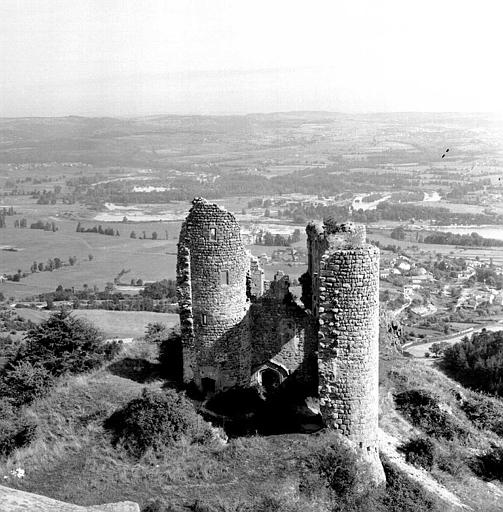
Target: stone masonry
(346,304)
(239,330)
(212,272)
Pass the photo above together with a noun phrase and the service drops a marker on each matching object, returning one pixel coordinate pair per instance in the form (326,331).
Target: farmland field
(115,324)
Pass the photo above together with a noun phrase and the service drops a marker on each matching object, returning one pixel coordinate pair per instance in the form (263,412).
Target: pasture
(147,259)
(115,324)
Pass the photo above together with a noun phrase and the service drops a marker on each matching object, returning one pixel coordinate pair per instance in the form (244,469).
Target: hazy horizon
(124,58)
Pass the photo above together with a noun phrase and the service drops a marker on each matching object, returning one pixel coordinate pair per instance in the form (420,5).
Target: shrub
(154,420)
(420,452)
(423,410)
(157,506)
(403,494)
(484,414)
(156,332)
(489,465)
(65,344)
(24,381)
(336,465)
(16,430)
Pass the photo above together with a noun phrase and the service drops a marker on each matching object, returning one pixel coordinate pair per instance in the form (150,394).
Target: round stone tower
(346,304)
(212,270)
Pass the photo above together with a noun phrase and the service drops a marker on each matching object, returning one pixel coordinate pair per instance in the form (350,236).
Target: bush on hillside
(424,411)
(66,344)
(158,506)
(334,474)
(23,382)
(477,362)
(420,452)
(157,332)
(156,419)
(8,349)
(489,465)
(402,494)
(16,430)
(484,414)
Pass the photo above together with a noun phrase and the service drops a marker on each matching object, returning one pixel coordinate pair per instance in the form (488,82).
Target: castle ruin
(240,330)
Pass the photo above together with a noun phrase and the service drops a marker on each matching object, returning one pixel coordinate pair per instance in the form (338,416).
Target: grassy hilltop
(72,457)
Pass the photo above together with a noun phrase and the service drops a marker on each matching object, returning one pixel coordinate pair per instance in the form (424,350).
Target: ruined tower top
(333,235)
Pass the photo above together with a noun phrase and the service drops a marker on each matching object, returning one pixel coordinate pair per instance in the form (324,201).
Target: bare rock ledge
(14,500)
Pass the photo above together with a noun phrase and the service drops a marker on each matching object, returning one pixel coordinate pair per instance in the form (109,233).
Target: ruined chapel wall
(278,334)
(348,312)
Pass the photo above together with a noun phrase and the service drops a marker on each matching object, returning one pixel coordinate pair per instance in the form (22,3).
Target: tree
(132,235)
(437,349)
(72,260)
(154,235)
(90,257)
(398,233)
(65,344)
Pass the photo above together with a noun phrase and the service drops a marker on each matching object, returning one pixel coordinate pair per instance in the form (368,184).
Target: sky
(145,57)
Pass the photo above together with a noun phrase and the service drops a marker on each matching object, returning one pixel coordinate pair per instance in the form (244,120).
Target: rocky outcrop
(14,500)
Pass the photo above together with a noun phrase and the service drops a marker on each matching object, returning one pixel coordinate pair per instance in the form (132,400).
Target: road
(419,350)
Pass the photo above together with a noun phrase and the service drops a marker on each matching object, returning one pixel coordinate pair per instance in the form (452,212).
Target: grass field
(115,324)
(149,260)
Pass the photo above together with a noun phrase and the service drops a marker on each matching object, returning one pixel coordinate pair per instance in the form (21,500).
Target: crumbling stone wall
(212,270)
(256,278)
(280,334)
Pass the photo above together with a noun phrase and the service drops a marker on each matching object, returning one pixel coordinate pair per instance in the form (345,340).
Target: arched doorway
(208,386)
(270,379)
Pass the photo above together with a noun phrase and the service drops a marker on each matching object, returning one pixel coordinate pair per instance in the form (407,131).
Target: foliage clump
(420,452)
(489,465)
(23,382)
(65,344)
(157,419)
(477,362)
(484,413)
(16,430)
(424,411)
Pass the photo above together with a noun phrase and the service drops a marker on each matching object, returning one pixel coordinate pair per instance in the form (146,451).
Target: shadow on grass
(137,369)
